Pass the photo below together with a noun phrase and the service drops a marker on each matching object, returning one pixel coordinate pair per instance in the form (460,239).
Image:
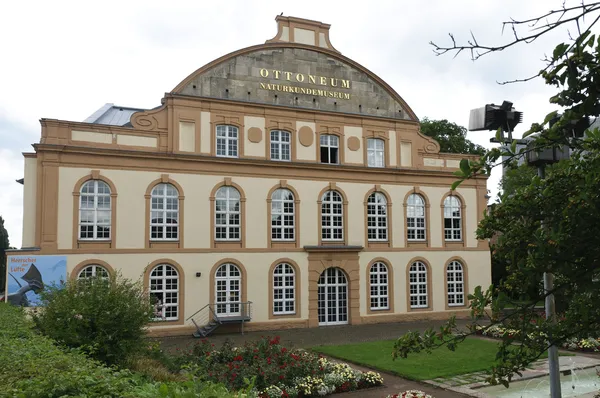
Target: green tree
(568,202)
(4,244)
(451,137)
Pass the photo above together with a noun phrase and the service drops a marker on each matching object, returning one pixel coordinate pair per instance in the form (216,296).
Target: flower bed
(589,344)
(410,394)
(275,370)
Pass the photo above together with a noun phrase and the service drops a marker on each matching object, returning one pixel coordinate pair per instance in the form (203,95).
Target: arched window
(227,214)
(284,289)
(452,219)
(375,152)
(280,145)
(94,211)
(377,223)
(378,278)
(164,292)
(415,217)
(456,283)
(228,290)
(418,285)
(282,215)
(164,212)
(93,270)
(227,141)
(332,216)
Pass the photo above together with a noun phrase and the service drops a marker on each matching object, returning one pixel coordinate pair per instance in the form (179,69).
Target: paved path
(310,337)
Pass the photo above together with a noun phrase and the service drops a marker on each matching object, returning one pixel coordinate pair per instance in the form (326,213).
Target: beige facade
(294,126)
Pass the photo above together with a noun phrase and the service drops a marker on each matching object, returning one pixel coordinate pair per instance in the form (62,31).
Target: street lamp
(494,117)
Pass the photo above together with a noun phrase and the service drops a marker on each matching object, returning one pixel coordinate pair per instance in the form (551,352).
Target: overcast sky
(64,60)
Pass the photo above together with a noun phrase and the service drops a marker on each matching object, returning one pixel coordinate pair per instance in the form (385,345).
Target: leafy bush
(276,370)
(105,318)
(32,366)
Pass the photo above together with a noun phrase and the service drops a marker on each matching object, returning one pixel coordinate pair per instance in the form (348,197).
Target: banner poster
(28,276)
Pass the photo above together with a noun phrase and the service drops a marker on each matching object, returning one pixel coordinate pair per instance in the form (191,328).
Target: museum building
(282,185)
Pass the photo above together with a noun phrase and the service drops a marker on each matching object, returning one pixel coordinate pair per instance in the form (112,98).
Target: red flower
(284,349)
(281,377)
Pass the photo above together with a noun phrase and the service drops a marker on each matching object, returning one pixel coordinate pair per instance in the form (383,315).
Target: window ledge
(96,244)
(165,245)
(228,244)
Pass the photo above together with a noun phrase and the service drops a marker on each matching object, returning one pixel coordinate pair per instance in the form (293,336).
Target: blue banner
(28,276)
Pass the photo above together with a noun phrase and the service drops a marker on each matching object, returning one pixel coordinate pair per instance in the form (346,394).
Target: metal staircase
(206,320)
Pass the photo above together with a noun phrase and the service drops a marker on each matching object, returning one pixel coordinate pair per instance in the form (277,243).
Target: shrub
(105,318)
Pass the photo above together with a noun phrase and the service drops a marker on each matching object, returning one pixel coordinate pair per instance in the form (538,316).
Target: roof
(112,115)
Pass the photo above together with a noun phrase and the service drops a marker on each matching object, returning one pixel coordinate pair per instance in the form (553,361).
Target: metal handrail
(194,314)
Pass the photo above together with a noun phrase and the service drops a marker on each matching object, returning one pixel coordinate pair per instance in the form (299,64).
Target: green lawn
(472,355)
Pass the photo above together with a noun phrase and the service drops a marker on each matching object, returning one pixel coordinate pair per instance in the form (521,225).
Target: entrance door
(228,290)
(333,297)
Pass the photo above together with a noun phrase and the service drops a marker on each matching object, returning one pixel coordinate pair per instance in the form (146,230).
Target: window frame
(329,145)
(95,209)
(274,212)
(94,271)
(377,217)
(379,286)
(417,282)
(227,140)
(228,213)
(415,228)
(286,267)
(455,272)
(375,151)
(164,291)
(228,278)
(452,229)
(164,225)
(328,204)
(280,144)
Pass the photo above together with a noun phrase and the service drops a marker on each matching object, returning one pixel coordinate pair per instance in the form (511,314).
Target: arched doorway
(333,297)
(228,290)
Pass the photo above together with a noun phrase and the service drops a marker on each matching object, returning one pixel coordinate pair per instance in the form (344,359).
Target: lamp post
(494,117)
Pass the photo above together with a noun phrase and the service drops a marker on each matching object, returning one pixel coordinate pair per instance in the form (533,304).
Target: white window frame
(230,276)
(283,208)
(170,195)
(379,285)
(332,297)
(281,149)
(284,289)
(227,141)
(416,224)
(105,198)
(417,277)
(453,214)
(93,270)
(377,218)
(455,278)
(330,202)
(375,152)
(168,276)
(330,142)
(233,200)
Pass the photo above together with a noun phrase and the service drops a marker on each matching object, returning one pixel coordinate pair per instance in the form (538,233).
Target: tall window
(379,286)
(94,210)
(329,149)
(375,152)
(228,290)
(164,212)
(282,215)
(415,217)
(164,291)
(456,283)
(93,270)
(280,145)
(377,225)
(284,285)
(227,141)
(418,285)
(332,216)
(452,219)
(227,214)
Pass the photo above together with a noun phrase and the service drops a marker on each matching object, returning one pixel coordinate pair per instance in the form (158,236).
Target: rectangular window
(280,145)
(227,141)
(375,152)
(329,149)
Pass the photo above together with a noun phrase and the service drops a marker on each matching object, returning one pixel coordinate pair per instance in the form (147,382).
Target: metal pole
(553,364)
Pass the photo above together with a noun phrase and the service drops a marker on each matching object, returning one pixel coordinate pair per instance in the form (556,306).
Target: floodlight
(493,117)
